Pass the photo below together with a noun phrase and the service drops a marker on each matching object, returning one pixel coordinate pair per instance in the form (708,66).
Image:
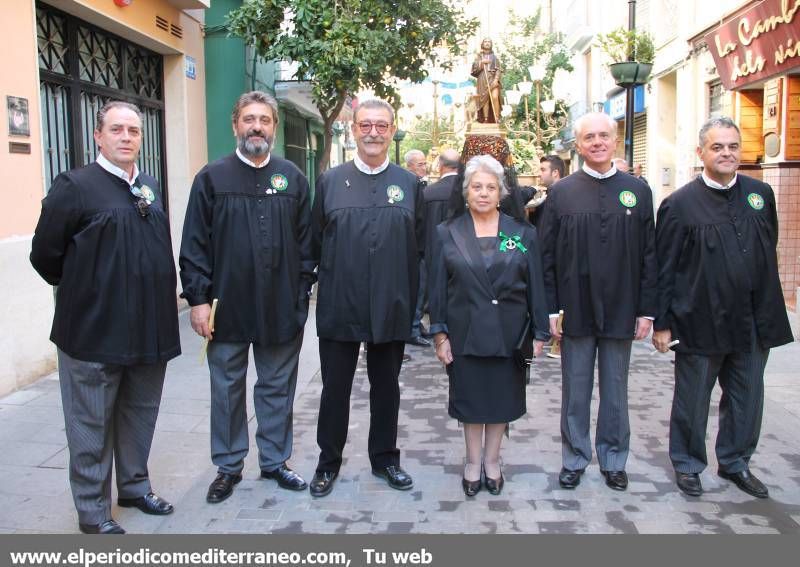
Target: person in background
(416,164)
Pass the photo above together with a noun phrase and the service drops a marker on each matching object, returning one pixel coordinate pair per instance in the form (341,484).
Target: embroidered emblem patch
(394,193)
(279,182)
(628,199)
(510,243)
(756,201)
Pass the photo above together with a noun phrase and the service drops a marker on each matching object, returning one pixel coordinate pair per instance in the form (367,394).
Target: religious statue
(486,69)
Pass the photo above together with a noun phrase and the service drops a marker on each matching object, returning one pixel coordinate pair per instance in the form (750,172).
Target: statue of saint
(486,69)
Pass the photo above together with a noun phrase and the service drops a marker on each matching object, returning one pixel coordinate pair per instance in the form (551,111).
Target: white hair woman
(488,314)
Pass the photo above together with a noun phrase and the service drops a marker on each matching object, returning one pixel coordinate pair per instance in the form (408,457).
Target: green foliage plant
(344,46)
(622,45)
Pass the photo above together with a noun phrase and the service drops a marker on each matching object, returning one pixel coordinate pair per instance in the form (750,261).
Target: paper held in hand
(204,348)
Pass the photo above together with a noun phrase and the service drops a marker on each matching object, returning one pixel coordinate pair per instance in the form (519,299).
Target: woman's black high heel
(495,486)
(471,487)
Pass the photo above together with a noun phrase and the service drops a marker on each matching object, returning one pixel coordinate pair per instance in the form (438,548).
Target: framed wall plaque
(18,117)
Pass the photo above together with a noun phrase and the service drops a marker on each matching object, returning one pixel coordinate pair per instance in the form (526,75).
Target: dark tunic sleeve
(58,222)
(116,300)
(196,256)
(437,282)
(670,238)
(537,301)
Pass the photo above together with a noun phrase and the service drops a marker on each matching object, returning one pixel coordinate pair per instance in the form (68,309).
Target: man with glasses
(103,239)
(368,227)
(247,243)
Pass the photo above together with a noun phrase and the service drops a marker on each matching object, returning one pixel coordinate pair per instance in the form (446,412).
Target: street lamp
(398,137)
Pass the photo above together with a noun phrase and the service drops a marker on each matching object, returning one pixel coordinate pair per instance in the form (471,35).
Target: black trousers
(741,378)
(339,360)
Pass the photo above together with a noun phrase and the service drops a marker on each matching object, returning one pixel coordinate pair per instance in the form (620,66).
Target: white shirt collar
(597,175)
(714,185)
(242,157)
(364,168)
(448,174)
(104,162)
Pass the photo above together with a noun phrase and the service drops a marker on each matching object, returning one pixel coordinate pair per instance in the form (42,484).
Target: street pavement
(35,496)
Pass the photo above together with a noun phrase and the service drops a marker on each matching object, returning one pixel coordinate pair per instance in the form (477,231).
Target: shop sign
(756,43)
(615,106)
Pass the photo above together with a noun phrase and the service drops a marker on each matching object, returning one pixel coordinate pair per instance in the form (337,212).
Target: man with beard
(247,243)
(368,232)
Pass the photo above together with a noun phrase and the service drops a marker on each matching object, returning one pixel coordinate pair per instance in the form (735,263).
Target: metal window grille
(81,68)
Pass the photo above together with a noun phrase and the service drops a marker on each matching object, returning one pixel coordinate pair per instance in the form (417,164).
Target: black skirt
(486,389)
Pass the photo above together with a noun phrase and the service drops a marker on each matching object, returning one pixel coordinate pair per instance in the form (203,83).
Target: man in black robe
(437,195)
(103,239)
(720,296)
(368,225)
(247,243)
(600,269)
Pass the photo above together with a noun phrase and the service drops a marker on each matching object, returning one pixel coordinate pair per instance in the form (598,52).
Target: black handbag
(523,350)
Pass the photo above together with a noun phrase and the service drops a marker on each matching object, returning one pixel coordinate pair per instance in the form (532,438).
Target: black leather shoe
(569,479)
(495,486)
(471,487)
(286,478)
(222,487)
(689,483)
(419,341)
(747,482)
(109,527)
(322,483)
(395,477)
(149,504)
(616,480)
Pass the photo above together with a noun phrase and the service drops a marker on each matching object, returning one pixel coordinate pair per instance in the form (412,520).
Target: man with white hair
(600,269)
(417,164)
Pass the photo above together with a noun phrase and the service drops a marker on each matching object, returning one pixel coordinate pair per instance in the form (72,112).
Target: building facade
(730,57)
(65,59)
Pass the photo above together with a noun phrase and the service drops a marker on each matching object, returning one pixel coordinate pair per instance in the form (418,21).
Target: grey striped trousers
(110,413)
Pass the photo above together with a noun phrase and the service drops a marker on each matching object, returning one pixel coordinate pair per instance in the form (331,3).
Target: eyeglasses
(366,127)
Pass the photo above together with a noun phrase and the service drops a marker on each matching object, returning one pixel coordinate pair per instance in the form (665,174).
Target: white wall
(26,312)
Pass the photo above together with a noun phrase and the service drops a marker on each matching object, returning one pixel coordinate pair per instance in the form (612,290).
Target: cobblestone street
(35,497)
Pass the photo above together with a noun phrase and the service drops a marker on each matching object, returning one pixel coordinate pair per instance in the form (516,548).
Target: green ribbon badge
(628,199)
(756,201)
(279,182)
(511,242)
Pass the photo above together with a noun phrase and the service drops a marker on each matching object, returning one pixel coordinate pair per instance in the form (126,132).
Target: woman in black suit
(486,301)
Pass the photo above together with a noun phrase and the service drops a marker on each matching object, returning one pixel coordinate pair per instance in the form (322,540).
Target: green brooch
(511,243)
